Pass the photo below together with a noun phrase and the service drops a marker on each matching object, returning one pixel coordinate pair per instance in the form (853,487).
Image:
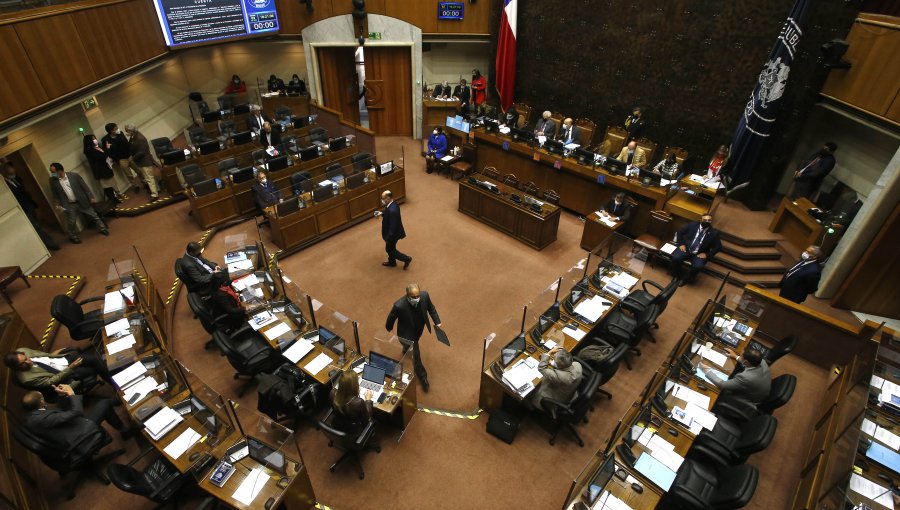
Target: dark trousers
(418,367)
(393,253)
(47,239)
(91,366)
(678,258)
(103,410)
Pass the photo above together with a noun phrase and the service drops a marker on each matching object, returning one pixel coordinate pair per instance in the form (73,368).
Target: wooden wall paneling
(293,17)
(476,19)
(57,54)
(392,66)
(109,48)
(339,83)
(421,13)
(873,82)
(146,39)
(22,88)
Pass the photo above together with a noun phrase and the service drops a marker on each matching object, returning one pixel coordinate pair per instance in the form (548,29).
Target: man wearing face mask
(802,278)
(411,314)
(753,384)
(437,148)
(618,208)
(392,231)
(561,377)
(634,123)
(696,242)
(568,133)
(195,271)
(265,193)
(118,149)
(811,173)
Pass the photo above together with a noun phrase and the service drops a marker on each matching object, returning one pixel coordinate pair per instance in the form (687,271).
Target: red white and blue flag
(506,53)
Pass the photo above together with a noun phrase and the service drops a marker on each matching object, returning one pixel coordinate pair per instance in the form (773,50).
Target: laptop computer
(372,378)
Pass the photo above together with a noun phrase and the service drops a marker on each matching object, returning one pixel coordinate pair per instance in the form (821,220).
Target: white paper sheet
(250,487)
(299,349)
(625,280)
(869,489)
(277,330)
(182,443)
(141,389)
(573,333)
(716,357)
(240,265)
(876,381)
(131,373)
(592,309)
(317,364)
(888,438)
(162,422)
(691,396)
(261,319)
(113,302)
(120,345)
(668,248)
(868,426)
(706,419)
(114,327)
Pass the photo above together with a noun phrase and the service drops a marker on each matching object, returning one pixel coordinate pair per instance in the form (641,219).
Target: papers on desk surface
(591,309)
(573,332)
(136,392)
(182,443)
(605,219)
(317,364)
(876,382)
(655,471)
(690,396)
(250,487)
(522,375)
(130,374)
(245,282)
(714,356)
(263,318)
(571,146)
(235,256)
(607,501)
(446,158)
(114,327)
(241,265)
(113,302)
(162,422)
(871,490)
(504,130)
(120,345)
(889,390)
(277,330)
(297,351)
(880,433)
(702,375)
(625,280)
(668,248)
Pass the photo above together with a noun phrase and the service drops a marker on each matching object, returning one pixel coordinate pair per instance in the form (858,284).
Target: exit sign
(375,36)
(89,103)
(451,10)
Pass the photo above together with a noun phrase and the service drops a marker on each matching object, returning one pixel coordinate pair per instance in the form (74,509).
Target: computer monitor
(584,156)
(212,116)
(242,175)
(309,153)
(385,168)
(244,137)
(173,156)
(292,90)
(576,294)
(300,122)
(491,125)
(390,366)
(522,135)
(266,455)
(279,163)
(554,147)
(356,180)
(337,144)
(209,147)
(287,207)
(548,318)
(323,193)
(206,187)
(326,335)
(615,166)
(511,350)
(595,488)
(240,109)
(649,177)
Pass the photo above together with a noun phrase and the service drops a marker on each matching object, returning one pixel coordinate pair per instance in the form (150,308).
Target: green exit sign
(375,36)
(89,103)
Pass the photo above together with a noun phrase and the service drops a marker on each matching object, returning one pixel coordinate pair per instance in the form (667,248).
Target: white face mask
(804,256)
(435,132)
(263,181)
(384,201)
(96,143)
(413,300)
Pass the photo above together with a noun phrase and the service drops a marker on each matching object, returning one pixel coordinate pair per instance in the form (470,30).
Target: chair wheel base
(377,449)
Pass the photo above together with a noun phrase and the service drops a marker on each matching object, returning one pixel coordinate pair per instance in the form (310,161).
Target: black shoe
(153,199)
(104,231)
(424,382)
(389,264)
(53,247)
(75,240)
(406,264)
(137,188)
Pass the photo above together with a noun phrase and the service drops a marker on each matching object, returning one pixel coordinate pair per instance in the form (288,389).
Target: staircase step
(749,266)
(757,240)
(766,280)
(751,252)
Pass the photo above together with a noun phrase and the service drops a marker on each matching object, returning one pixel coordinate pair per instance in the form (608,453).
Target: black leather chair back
(249,353)
(784,347)
(361,161)
(333,170)
(59,460)
(297,182)
(158,482)
(69,313)
(318,134)
(282,112)
(756,435)
(260,155)
(200,307)
(735,488)
(607,368)
(227,164)
(781,392)
(162,145)
(192,174)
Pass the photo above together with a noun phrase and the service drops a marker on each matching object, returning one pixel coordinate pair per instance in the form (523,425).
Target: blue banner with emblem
(758,119)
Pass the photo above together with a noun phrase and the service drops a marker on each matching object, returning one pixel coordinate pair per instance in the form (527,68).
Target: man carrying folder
(411,313)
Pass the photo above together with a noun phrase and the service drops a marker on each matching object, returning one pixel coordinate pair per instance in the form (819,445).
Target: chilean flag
(506,53)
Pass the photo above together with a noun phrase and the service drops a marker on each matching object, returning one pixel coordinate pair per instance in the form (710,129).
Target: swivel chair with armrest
(564,415)
(318,134)
(637,300)
(334,172)
(608,366)
(730,444)
(225,165)
(351,443)
(288,395)
(162,145)
(700,487)
(203,312)
(191,174)
(197,135)
(361,161)
(81,325)
(159,482)
(260,156)
(248,353)
(83,460)
(781,348)
(618,328)
(740,410)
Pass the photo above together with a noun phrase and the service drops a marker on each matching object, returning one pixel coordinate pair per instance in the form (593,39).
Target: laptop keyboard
(369,385)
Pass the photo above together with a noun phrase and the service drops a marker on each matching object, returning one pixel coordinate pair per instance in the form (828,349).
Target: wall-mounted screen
(186,22)
(451,10)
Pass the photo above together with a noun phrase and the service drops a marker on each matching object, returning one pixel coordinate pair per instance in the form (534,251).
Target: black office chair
(248,352)
(226,164)
(202,290)
(192,174)
(782,390)
(637,300)
(564,415)
(608,366)
(318,134)
(81,325)
(159,482)
(288,395)
(226,102)
(334,172)
(197,135)
(226,128)
(361,161)
(301,182)
(781,348)
(84,460)
(351,443)
(203,312)
(260,156)
(730,444)
(740,411)
(619,327)
(282,112)
(700,487)
(162,145)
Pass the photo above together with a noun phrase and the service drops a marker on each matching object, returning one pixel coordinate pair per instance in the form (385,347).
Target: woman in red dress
(236,85)
(479,85)
(717,162)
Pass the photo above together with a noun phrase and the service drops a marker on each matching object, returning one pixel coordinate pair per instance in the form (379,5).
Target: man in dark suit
(634,124)
(568,133)
(72,196)
(195,271)
(29,206)
(809,177)
(411,313)
(696,243)
(268,137)
(546,126)
(802,278)
(256,119)
(392,231)
(265,193)
(464,94)
(66,426)
(618,208)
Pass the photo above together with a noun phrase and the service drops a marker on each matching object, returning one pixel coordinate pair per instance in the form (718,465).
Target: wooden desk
(298,104)
(535,229)
(596,232)
(795,224)
(216,208)
(435,113)
(687,206)
(311,224)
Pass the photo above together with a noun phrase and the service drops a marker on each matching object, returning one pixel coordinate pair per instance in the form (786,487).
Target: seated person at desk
(351,412)
(225,302)
(437,148)
(236,85)
(618,208)
(297,84)
(268,137)
(275,84)
(667,168)
(753,384)
(67,426)
(38,370)
(803,277)
(719,159)
(561,377)
(633,155)
(546,126)
(696,242)
(195,271)
(510,118)
(441,90)
(256,119)
(265,194)
(568,133)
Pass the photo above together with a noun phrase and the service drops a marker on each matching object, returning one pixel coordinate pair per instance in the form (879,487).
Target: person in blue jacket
(437,148)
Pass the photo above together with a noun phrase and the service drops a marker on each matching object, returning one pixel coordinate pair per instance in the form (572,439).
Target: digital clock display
(197,21)
(451,10)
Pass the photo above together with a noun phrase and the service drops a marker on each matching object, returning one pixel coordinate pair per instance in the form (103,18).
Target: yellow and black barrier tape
(156,203)
(452,414)
(49,329)
(322,506)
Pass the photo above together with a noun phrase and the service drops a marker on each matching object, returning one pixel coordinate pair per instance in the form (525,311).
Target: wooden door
(339,85)
(389,89)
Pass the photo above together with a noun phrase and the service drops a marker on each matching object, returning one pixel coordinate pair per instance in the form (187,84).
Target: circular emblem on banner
(772,81)
(259,4)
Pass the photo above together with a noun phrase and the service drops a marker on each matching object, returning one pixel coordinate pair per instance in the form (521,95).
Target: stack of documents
(245,282)
(605,219)
(297,351)
(880,433)
(250,487)
(162,422)
(607,501)
(871,490)
(136,392)
(625,280)
(261,319)
(573,332)
(715,357)
(593,308)
(113,328)
(700,418)
(113,302)
(241,265)
(521,376)
(134,372)
(690,396)
(182,443)
(120,345)
(235,256)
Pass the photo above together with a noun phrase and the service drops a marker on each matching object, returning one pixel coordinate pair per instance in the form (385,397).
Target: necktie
(695,246)
(47,367)
(630,156)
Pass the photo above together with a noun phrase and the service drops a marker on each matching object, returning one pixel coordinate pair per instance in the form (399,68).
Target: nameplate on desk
(505,146)
(601,179)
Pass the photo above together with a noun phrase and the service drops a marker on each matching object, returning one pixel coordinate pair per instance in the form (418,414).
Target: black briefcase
(503,425)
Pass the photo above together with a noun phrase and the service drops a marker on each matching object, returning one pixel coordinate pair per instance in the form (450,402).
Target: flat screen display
(197,21)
